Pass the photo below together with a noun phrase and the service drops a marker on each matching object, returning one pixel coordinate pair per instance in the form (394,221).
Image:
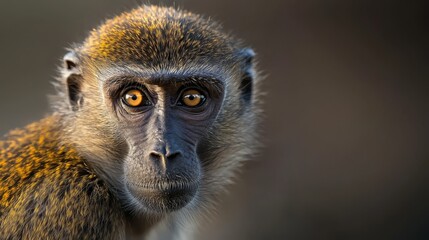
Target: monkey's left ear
(246,84)
(72,73)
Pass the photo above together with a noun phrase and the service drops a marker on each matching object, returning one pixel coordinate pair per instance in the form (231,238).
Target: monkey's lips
(164,196)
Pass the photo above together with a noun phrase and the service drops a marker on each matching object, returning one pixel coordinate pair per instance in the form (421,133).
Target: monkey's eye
(135,98)
(192,98)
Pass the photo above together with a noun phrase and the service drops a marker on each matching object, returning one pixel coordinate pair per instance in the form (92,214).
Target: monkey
(155,112)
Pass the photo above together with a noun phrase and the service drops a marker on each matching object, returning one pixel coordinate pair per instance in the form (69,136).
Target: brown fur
(47,191)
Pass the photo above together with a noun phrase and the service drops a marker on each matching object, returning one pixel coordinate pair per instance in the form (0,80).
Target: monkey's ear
(246,84)
(72,73)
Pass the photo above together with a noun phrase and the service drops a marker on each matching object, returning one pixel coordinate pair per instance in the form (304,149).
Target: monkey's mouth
(164,196)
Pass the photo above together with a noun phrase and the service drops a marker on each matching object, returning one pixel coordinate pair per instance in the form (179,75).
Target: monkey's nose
(165,161)
(168,156)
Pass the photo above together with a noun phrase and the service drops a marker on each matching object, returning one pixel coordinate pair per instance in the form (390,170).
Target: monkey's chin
(163,197)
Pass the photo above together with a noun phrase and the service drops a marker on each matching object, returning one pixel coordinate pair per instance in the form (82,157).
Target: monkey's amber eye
(134,98)
(192,98)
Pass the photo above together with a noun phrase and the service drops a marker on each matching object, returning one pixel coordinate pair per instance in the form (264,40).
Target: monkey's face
(161,138)
(162,120)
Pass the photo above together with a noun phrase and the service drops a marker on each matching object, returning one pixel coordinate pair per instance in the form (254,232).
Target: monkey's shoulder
(48,191)
(34,154)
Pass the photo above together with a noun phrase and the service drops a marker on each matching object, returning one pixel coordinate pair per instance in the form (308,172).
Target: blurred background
(347,109)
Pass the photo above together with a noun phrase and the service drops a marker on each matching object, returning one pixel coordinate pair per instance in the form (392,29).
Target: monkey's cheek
(167,199)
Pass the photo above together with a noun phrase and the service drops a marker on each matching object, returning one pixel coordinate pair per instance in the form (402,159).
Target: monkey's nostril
(174,155)
(157,156)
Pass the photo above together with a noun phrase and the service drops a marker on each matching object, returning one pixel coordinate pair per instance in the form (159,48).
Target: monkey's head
(161,103)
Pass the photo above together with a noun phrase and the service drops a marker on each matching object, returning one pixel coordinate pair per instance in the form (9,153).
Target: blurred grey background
(347,109)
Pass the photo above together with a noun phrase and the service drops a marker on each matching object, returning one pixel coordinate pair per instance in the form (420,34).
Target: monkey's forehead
(154,35)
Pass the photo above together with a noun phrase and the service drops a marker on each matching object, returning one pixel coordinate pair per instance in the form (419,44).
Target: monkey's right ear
(72,73)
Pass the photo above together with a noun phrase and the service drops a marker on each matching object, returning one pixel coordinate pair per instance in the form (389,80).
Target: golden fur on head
(152,35)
